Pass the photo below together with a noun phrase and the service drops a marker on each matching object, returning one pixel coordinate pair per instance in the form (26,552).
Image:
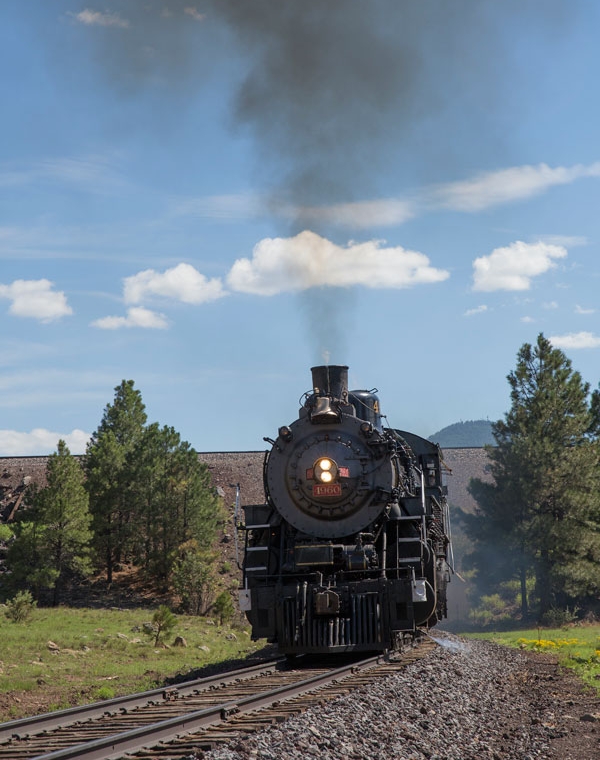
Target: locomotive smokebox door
(326,603)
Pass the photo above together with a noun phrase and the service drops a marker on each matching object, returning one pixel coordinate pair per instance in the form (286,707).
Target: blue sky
(211,197)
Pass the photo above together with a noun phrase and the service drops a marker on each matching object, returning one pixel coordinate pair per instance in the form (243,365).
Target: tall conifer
(540,513)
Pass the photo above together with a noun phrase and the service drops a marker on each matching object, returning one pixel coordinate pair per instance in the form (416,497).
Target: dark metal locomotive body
(349,551)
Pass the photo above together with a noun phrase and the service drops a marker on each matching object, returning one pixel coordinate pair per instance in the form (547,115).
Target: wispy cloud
(580,310)
(96,173)
(477,310)
(567,241)
(40,441)
(54,388)
(137,316)
(308,260)
(513,267)
(233,206)
(194,13)
(475,194)
(36,299)
(471,195)
(506,185)
(97,18)
(576,340)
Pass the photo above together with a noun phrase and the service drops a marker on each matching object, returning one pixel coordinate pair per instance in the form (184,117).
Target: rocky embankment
(469,700)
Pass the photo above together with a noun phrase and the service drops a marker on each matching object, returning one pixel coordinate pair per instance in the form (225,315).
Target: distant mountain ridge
(472,434)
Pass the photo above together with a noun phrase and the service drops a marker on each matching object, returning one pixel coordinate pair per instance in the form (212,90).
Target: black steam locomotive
(349,552)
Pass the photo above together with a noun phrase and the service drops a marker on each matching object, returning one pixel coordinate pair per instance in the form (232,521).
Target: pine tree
(109,467)
(541,512)
(56,542)
(175,501)
(148,491)
(195,577)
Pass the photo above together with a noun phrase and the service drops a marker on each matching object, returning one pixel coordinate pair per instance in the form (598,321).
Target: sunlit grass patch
(75,656)
(577,648)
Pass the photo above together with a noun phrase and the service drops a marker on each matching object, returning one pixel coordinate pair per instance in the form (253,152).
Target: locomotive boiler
(349,551)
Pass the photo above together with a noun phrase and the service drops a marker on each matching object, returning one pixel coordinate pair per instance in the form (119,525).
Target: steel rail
(115,746)
(37,724)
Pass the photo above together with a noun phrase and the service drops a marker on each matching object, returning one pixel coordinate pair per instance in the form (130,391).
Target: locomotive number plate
(333,489)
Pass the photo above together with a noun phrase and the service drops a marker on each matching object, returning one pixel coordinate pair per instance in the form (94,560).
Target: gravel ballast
(468,700)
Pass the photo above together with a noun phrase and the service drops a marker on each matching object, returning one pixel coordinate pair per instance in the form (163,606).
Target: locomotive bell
(323,411)
(330,384)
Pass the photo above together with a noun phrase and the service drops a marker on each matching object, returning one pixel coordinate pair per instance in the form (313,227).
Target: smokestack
(331,381)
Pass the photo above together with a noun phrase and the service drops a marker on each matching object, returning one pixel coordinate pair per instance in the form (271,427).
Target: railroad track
(174,722)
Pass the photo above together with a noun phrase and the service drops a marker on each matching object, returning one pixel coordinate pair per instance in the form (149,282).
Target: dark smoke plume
(331,91)
(334,92)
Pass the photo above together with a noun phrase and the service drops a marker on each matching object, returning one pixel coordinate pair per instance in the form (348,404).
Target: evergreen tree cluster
(140,496)
(537,527)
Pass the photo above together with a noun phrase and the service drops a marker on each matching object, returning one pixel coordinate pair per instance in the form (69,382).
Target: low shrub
(20,607)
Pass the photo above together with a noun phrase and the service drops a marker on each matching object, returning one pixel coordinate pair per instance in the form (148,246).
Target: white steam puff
(280,265)
(514,266)
(35,299)
(183,283)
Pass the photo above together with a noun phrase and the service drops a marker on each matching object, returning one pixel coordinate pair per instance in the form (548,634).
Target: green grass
(576,647)
(101,653)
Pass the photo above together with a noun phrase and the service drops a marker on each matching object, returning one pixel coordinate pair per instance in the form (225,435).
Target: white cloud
(35,299)
(576,340)
(476,310)
(97,18)
(515,183)
(40,441)
(550,305)
(513,267)
(308,260)
(527,320)
(136,317)
(194,13)
(183,283)
(580,310)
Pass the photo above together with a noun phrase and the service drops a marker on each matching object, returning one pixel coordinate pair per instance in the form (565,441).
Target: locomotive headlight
(325,470)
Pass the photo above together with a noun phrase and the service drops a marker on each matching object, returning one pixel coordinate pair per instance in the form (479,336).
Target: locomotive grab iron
(349,552)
